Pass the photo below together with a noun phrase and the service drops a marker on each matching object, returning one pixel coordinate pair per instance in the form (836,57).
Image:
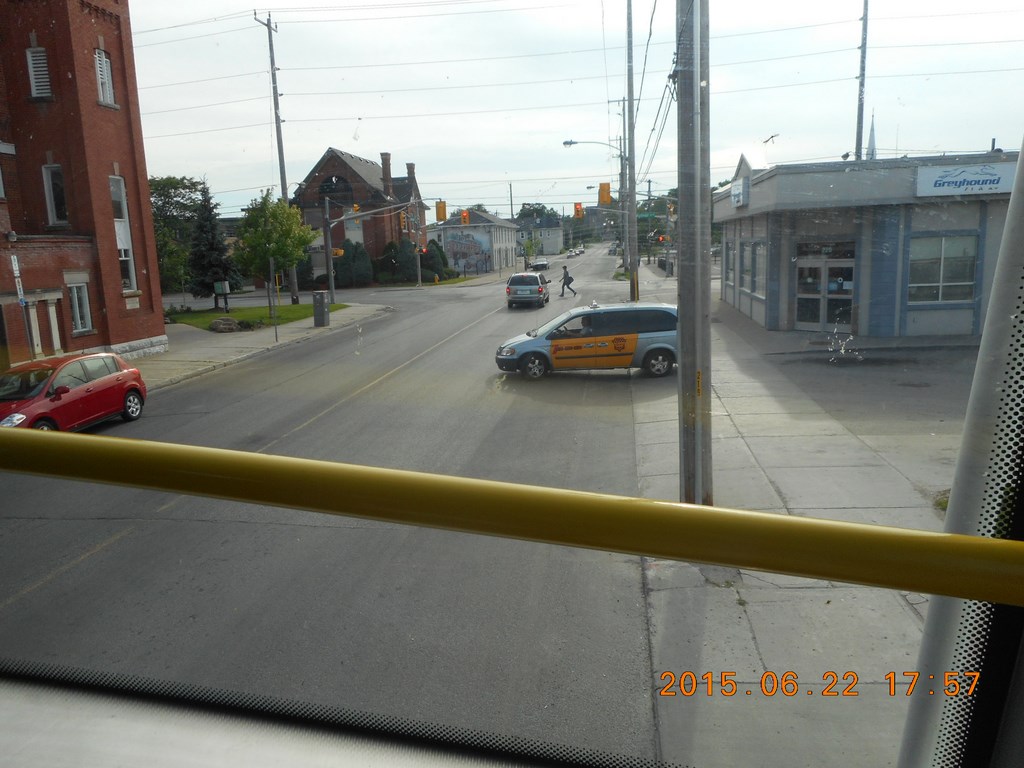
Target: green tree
(175,205)
(406,261)
(271,229)
(354,267)
(536,211)
(208,253)
(435,259)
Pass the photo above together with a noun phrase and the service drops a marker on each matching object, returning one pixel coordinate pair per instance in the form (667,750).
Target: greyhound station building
(894,247)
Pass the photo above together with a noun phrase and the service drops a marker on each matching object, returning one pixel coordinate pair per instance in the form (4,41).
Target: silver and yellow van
(640,335)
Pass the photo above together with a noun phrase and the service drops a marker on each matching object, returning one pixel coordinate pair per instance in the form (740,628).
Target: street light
(629,224)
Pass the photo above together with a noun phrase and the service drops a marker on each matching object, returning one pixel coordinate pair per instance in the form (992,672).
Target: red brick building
(390,208)
(78,266)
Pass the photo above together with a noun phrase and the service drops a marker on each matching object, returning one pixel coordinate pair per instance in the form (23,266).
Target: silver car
(527,288)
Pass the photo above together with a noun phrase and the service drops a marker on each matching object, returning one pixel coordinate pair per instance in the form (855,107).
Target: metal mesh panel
(995,519)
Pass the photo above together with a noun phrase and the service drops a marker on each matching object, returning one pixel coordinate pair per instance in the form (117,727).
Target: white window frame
(104,77)
(944,282)
(53,211)
(81,317)
(123,233)
(38,73)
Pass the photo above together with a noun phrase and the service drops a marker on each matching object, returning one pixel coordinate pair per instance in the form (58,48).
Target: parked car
(539,265)
(640,335)
(527,288)
(70,392)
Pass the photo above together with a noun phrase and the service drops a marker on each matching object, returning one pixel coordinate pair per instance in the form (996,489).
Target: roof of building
(478,218)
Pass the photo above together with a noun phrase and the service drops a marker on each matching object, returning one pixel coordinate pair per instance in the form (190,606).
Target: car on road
(71,392)
(527,288)
(636,335)
(540,264)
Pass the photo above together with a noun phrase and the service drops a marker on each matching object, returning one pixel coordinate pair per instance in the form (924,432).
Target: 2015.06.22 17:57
(832,684)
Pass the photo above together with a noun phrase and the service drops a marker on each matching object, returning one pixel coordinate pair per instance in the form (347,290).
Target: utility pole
(634,261)
(293,278)
(693,248)
(860,89)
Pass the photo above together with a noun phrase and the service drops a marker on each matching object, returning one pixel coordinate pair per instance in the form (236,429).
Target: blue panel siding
(885,260)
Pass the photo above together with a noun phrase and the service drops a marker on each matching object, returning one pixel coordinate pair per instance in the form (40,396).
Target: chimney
(385,164)
(410,170)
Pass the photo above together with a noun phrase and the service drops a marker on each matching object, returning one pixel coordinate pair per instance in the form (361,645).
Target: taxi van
(637,335)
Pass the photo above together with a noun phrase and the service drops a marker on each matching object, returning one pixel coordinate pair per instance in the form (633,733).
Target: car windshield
(21,385)
(321,224)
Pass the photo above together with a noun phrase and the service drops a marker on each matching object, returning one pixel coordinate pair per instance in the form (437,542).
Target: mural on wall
(470,252)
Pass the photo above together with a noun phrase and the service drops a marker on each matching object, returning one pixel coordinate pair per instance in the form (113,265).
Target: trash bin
(321,310)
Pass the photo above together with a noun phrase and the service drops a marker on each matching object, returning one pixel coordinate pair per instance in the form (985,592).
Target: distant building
(486,243)
(78,263)
(545,231)
(390,209)
(894,247)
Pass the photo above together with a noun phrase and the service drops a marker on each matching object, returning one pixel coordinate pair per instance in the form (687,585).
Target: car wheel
(510,305)
(46,425)
(658,362)
(534,366)
(132,406)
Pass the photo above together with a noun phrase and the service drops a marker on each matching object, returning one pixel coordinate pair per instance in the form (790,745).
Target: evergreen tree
(208,255)
(362,269)
(407,261)
(435,259)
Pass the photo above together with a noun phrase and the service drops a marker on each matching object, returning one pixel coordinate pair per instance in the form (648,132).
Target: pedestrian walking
(566,281)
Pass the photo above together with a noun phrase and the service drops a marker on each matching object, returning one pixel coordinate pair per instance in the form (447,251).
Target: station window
(942,268)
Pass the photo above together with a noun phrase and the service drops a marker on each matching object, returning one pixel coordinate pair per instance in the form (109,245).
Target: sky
(481,94)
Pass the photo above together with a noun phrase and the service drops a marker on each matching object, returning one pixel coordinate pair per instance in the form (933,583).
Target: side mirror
(63,389)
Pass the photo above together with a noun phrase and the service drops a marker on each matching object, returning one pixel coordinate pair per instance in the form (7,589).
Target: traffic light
(661,238)
(355,207)
(465,217)
(402,220)
(604,193)
(578,210)
(440,210)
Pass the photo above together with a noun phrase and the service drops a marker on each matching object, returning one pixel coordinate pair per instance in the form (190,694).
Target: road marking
(64,568)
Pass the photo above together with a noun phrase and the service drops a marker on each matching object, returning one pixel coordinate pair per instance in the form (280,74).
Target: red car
(70,393)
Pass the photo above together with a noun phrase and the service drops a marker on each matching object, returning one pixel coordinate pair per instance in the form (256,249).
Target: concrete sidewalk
(776,451)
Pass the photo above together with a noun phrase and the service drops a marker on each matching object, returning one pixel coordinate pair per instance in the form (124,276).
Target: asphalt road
(529,640)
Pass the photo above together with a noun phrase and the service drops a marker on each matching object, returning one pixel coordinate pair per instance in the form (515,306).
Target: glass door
(824,287)
(839,298)
(808,297)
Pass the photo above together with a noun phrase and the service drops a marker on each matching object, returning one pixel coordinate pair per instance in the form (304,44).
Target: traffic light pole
(329,250)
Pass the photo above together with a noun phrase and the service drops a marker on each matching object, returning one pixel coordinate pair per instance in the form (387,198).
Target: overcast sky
(480,94)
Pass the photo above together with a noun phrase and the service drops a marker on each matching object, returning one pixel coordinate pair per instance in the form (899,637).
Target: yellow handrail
(896,558)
